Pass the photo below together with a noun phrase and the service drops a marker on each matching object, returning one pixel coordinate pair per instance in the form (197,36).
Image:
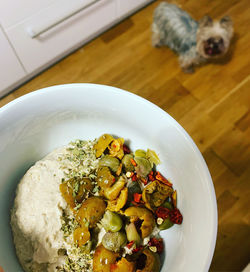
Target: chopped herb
(76,188)
(96,189)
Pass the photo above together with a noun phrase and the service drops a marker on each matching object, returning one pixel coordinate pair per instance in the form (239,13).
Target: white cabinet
(11,70)
(126,7)
(13,12)
(47,47)
(41,32)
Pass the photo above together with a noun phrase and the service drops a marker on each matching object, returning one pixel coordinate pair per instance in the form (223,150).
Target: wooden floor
(213,104)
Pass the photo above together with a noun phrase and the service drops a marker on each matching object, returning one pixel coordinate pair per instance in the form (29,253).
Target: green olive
(166,224)
(111,162)
(114,241)
(140,153)
(126,162)
(111,221)
(143,167)
(132,234)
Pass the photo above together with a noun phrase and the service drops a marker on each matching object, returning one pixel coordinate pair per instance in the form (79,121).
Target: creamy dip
(37,215)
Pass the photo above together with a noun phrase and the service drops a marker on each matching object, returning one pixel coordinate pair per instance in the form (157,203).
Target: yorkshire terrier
(194,42)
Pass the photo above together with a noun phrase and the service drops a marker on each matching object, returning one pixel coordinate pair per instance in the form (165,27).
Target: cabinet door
(37,51)
(11,69)
(13,12)
(125,7)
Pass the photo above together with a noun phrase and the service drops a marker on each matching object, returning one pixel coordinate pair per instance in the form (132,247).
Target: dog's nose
(218,40)
(215,40)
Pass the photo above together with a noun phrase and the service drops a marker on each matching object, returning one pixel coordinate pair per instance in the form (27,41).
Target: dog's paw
(156,45)
(156,42)
(188,69)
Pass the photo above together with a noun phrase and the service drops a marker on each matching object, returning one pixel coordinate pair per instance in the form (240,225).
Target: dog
(194,42)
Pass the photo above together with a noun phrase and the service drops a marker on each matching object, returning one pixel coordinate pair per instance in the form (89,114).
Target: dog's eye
(210,40)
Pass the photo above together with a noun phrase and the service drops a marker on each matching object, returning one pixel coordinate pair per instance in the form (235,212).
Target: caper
(111,221)
(111,162)
(126,162)
(166,224)
(143,167)
(114,241)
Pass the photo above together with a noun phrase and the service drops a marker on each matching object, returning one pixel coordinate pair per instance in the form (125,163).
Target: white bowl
(34,124)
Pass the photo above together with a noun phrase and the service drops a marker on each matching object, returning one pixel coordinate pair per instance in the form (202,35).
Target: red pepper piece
(137,249)
(113,266)
(134,177)
(126,149)
(162,212)
(134,203)
(144,181)
(133,162)
(151,176)
(176,216)
(130,244)
(137,197)
(158,243)
(141,204)
(160,177)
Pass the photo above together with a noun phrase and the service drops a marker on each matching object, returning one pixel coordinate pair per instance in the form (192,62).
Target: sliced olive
(113,192)
(75,189)
(126,162)
(91,211)
(140,153)
(111,162)
(149,263)
(102,143)
(143,167)
(152,157)
(123,265)
(146,216)
(104,178)
(103,258)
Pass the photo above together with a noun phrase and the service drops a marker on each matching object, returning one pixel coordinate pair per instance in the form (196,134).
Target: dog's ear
(226,22)
(206,21)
